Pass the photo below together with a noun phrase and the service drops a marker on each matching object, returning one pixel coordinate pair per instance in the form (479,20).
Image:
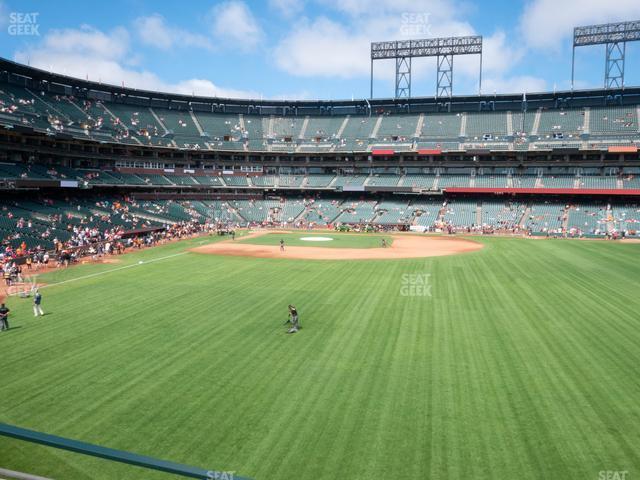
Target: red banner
(547,191)
(382,152)
(623,149)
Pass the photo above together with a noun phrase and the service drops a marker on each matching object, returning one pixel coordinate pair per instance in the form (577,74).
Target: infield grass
(521,363)
(338,240)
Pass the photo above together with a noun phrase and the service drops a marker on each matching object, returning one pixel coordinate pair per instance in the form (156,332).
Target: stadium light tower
(444,48)
(615,36)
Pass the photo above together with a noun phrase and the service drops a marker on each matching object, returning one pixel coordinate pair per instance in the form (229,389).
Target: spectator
(4,317)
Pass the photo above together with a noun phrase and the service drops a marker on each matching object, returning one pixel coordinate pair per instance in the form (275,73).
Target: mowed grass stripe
(529,362)
(548,328)
(349,324)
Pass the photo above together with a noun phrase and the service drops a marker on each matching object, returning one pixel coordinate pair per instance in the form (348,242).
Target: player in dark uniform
(282,247)
(293,320)
(4,317)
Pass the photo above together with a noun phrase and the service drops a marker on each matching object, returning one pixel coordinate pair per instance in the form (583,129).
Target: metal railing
(113,455)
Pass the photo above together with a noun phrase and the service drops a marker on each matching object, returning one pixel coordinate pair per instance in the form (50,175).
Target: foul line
(84,277)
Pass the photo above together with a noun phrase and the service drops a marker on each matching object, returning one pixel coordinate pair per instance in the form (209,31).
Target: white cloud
(498,58)
(498,54)
(154,31)
(206,88)
(235,26)
(515,84)
(105,57)
(88,41)
(324,47)
(294,96)
(434,8)
(328,48)
(546,23)
(287,8)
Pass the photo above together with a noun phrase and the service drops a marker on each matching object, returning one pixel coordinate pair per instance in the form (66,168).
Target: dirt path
(403,246)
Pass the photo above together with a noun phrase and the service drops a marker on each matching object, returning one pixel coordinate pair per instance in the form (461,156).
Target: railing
(120,456)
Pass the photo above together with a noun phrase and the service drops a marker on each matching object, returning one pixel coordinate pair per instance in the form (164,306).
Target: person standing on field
(293,319)
(4,317)
(37,304)
(282,245)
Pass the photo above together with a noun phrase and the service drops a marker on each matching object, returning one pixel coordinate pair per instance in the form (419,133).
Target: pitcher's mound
(403,246)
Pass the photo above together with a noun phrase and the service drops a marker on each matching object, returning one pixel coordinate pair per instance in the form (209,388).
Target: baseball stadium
(400,287)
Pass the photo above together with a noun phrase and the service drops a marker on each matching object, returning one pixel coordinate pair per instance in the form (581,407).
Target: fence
(110,454)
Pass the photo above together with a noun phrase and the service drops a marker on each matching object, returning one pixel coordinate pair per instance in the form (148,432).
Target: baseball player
(293,320)
(37,304)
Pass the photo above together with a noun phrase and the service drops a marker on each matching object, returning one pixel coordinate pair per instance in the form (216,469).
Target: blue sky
(307,48)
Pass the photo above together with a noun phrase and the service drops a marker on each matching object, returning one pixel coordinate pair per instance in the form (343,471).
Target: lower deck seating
(626,218)
(461,213)
(545,218)
(357,212)
(426,212)
(322,211)
(502,215)
(587,219)
(394,212)
(38,221)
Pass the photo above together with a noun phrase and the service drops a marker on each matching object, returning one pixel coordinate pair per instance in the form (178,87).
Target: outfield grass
(523,363)
(340,240)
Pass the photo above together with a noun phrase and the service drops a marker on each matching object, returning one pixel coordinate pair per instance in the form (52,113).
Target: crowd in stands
(31,228)
(89,242)
(540,128)
(58,231)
